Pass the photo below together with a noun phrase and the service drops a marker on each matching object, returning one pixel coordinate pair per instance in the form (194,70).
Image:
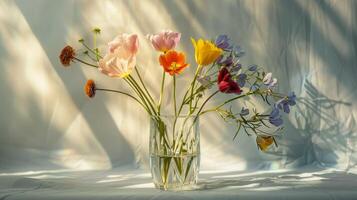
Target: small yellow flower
(205,51)
(264,142)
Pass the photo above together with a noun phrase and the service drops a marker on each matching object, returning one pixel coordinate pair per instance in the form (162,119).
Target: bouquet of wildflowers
(218,71)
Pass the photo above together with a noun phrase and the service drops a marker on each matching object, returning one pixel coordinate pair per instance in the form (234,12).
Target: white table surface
(309,183)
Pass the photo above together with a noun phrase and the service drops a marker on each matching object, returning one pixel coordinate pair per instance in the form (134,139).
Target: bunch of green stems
(192,98)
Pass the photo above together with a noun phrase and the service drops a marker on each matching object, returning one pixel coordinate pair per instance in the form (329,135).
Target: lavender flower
(269,80)
(238,52)
(241,79)
(254,87)
(222,41)
(285,103)
(236,67)
(225,61)
(275,117)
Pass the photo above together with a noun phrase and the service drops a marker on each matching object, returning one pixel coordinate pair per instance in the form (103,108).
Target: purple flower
(285,103)
(241,78)
(220,59)
(275,117)
(222,41)
(252,68)
(238,52)
(225,61)
(254,87)
(269,81)
(236,67)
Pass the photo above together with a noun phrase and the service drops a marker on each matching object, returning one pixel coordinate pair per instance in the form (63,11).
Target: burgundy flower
(67,55)
(226,84)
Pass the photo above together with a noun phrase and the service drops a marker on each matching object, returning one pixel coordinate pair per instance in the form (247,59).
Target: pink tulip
(120,59)
(125,41)
(165,41)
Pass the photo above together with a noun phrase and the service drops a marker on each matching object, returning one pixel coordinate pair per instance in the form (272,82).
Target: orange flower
(67,55)
(89,88)
(173,62)
(264,142)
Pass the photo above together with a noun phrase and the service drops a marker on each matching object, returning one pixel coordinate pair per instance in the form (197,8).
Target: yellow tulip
(205,51)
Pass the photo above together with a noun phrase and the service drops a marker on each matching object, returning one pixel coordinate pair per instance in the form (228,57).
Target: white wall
(46,121)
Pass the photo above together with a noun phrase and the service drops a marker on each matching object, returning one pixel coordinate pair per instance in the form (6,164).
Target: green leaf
(178,162)
(235,135)
(276,144)
(188,167)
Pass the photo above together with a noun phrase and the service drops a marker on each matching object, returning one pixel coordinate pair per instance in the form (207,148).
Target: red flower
(173,62)
(226,84)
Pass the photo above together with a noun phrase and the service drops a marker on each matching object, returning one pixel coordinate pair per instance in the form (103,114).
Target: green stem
(120,92)
(90,57)
(84,62)
(202,106)
(151,110)
(136,85)
(175,109)
(174,77)
(193,85)
(228,101)
(204,103)
(183,102)
(161,91)
(91,50)
(180,109)
(139,95)
(191,97)
(185,99)
(209,69)
(95,46)
(142,83)
(195,119)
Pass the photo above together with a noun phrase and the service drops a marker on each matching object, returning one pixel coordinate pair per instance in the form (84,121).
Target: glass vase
(174,152)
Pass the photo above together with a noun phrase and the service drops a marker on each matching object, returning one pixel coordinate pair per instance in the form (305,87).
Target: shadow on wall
(39,122)
(95,113)
(328,132)
(323,137)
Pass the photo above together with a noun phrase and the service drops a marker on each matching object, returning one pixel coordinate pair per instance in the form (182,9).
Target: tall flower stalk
(161,92)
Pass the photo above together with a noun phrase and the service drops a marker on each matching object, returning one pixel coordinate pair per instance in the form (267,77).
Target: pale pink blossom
(120,59)
(129,42)
(165,40)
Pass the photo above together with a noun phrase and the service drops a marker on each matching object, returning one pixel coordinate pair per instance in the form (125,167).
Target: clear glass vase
(174,152)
